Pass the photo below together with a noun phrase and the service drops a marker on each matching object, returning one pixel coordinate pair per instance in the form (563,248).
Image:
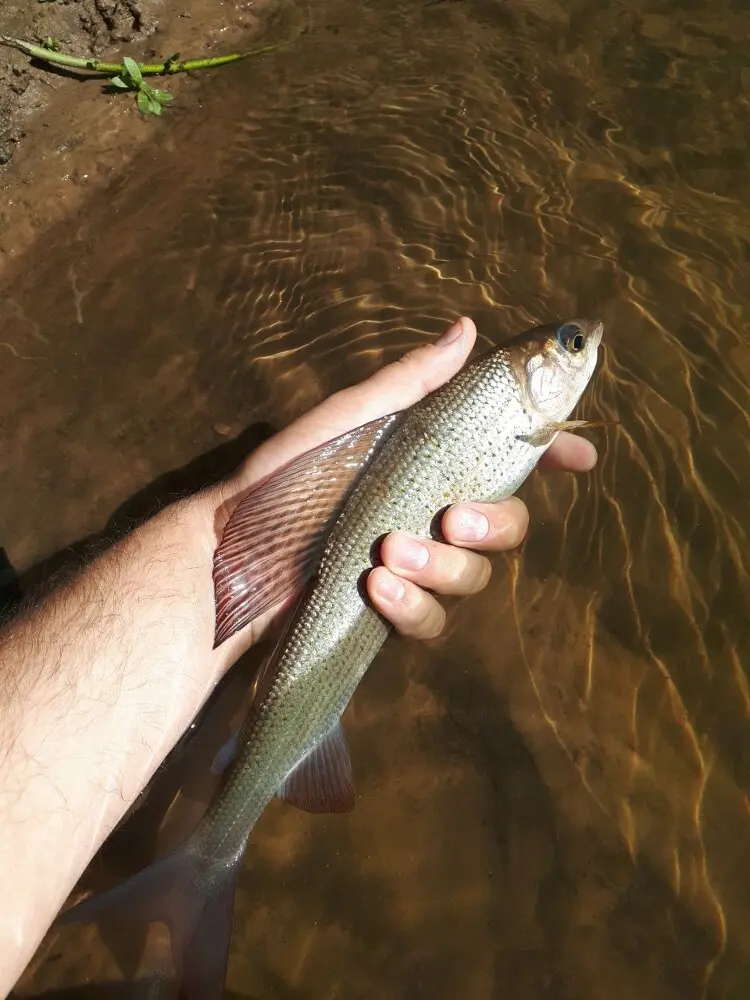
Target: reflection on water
(554,796)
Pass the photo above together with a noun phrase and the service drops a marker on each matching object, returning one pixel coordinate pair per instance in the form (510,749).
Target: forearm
(96,684)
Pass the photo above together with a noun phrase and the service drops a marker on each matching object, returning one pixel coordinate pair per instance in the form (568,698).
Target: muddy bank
(60,136)
(84,26)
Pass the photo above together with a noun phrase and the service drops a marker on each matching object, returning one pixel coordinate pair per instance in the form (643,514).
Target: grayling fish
(315,522)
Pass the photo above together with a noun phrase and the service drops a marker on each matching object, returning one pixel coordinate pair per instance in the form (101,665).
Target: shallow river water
(553,797)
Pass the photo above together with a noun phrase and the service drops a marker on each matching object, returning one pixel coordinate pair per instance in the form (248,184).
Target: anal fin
(322,782)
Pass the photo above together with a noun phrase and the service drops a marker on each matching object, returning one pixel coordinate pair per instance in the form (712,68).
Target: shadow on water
(479,728)
(202,471)
(553,799)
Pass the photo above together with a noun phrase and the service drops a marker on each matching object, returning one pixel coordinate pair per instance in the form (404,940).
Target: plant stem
(111,69)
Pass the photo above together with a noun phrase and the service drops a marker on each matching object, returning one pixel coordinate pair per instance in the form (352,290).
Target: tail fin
(193,894)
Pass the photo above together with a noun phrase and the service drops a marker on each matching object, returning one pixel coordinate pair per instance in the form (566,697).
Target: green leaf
(119,83)
(162,96)
(132,69)
(143,102)
(154,107)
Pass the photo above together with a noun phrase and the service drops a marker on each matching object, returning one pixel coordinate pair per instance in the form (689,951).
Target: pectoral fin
(275,537)
(322,781)
(544,435)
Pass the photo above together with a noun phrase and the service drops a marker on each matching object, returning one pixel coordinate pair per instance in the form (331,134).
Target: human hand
(413,570)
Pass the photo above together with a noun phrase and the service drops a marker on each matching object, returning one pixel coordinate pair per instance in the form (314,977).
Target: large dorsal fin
(275,537)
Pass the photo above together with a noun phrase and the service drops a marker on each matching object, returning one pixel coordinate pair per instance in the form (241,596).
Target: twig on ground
(128,75)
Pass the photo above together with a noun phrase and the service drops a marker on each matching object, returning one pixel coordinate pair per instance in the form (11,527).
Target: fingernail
(391,588)
(472,525)
(451,335)
(411,554)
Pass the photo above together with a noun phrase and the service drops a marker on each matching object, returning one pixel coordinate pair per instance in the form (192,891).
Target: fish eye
(571,337)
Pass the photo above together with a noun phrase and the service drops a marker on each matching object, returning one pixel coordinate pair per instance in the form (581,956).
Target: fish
(311,529)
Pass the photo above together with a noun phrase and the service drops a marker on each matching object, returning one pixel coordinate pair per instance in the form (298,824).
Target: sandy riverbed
(60,136)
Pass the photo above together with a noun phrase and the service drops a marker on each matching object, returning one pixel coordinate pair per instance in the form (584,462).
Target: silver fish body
(464,442)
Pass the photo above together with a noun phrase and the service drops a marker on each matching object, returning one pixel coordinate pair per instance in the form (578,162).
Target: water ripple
(567,774)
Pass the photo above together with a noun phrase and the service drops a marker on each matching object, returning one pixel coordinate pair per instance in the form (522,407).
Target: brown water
(553,798)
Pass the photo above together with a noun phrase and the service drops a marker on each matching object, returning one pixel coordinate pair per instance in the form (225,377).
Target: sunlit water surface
(553,797)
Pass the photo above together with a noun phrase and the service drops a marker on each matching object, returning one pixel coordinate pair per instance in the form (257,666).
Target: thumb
(395,387)
(401,383)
